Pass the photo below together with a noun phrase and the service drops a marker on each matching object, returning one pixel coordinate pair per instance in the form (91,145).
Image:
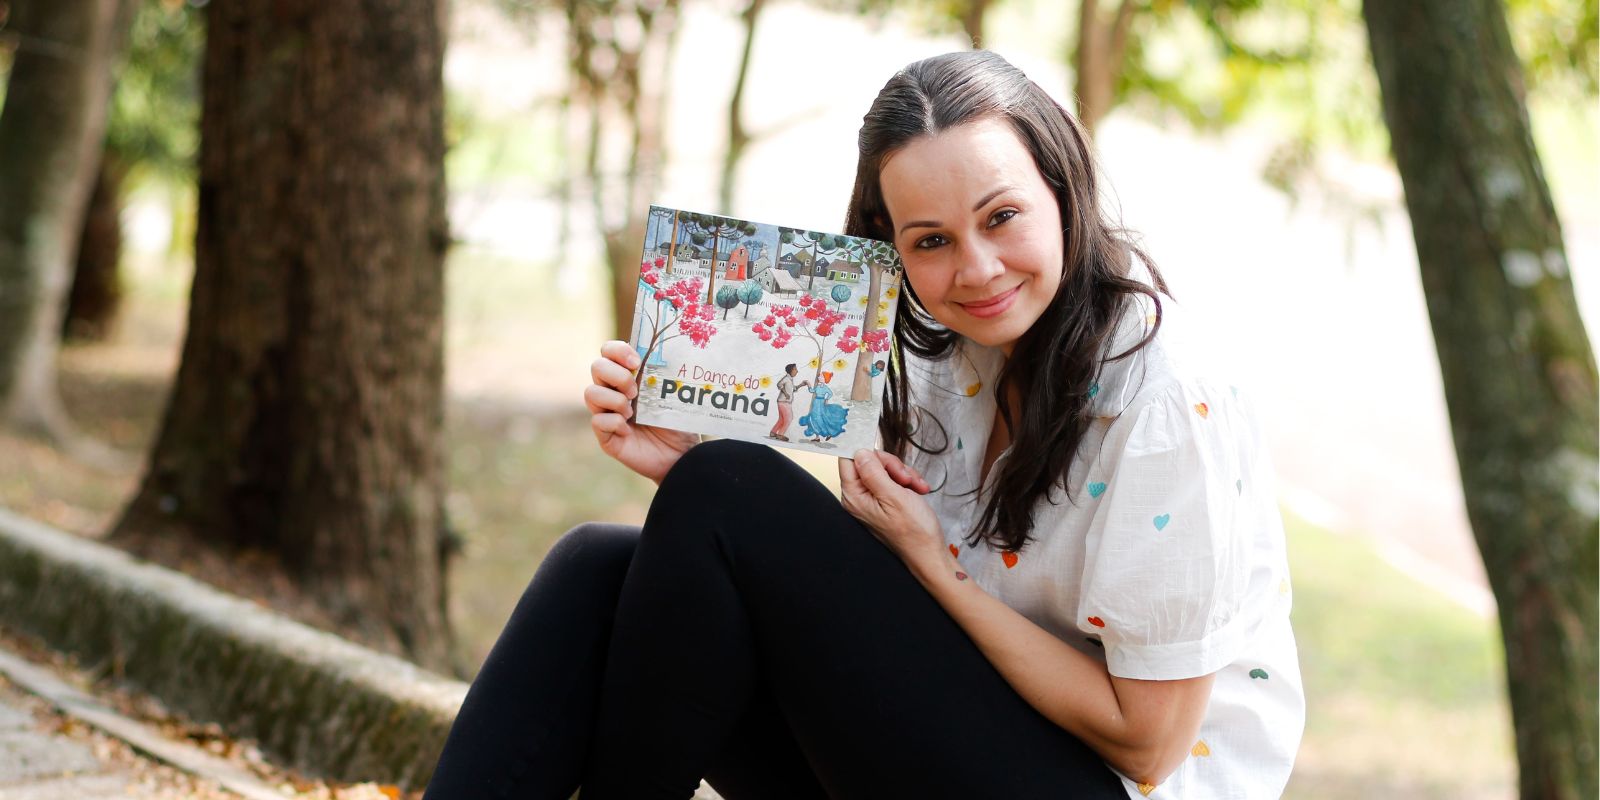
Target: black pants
(753,633)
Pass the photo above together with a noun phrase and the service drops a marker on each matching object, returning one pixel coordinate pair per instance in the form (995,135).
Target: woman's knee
(593,551)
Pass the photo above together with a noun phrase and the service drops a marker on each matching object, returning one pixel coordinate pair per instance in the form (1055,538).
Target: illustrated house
(735,268)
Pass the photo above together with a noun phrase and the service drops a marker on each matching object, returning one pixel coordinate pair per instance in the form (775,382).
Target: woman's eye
(1002,216)
(930,242)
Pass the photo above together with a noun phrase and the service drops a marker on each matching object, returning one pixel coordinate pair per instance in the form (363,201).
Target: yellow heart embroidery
(1200,749)
(972,391)
(1202,409)
(1146,788)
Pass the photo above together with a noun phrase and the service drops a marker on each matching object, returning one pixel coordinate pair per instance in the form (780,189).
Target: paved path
(36,764)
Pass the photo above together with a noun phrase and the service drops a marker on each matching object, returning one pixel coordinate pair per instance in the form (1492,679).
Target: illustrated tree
(840,294)
(880,260)
(305,421)
(727,298)
(1519,373)
(715,229)
(814,322)
(750,293)
(50,133)
(676,311)
(663,216)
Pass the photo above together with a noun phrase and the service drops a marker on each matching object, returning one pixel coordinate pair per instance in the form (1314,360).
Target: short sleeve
(1167,567)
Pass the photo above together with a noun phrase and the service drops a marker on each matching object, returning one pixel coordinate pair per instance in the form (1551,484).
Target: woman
(1063,575)
(824,420)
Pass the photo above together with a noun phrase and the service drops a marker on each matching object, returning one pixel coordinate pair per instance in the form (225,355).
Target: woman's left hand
(886,495)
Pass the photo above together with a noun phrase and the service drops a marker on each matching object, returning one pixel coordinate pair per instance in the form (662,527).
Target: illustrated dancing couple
(823,422)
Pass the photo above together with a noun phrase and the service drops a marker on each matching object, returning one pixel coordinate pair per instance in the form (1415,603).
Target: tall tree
(1519,374)
(618,54)
(152,133)
(739,136)
(50,132)
(306,417)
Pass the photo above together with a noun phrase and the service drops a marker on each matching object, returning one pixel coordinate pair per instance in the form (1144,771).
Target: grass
(1405,690)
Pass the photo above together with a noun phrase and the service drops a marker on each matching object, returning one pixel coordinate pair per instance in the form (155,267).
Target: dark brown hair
(1057,360)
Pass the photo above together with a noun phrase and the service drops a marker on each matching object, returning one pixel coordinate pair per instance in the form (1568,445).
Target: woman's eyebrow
(925,223)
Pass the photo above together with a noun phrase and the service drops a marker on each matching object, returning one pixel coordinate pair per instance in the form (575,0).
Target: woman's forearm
(1068,687)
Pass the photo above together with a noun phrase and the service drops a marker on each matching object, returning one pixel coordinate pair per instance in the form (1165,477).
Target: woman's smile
(992,306)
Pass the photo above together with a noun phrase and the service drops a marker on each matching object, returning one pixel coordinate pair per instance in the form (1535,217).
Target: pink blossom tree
(813,321)
(677,311)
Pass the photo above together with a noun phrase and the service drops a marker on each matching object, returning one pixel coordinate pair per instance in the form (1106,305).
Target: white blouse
(1164,559)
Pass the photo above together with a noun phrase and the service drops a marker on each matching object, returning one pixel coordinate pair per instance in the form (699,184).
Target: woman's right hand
(647,450)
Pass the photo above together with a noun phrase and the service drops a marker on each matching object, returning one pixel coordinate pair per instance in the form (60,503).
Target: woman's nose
(979,265)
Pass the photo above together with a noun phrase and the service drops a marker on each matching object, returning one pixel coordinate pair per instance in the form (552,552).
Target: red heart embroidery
(1010,558)
(1097,622)
(955,551)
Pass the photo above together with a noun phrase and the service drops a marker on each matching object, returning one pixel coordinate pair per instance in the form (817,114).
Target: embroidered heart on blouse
(1094,389)
(1202,409)
(1161,521)
(1097,622)
(1010,558)
(1146,788)
(972,390)
(1258,673)
(1238,485)
(1096,489)
(1200,749)
(955,551)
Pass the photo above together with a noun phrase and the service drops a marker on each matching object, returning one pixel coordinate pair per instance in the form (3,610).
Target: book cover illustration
(763,333)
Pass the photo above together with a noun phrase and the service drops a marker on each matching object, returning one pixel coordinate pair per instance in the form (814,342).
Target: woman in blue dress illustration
(825,420)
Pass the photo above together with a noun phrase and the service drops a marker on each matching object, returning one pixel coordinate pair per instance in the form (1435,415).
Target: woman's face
(978,229)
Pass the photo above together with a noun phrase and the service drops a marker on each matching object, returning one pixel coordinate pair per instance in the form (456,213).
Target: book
(763,333)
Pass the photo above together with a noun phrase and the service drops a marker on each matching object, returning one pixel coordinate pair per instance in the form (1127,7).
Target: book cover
(763,333)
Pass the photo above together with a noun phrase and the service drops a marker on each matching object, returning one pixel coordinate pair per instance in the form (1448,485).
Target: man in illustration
(786,387)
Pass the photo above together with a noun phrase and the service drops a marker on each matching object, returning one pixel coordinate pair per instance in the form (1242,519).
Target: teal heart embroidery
(1258,673)
(1239,485)
(1096,489)
(1161,521)
(958,443)
(1094,389)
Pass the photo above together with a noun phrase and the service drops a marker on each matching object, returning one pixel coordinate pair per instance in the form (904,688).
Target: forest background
(1244,141)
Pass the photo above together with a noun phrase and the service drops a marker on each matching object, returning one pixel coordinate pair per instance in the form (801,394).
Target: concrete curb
(312,700)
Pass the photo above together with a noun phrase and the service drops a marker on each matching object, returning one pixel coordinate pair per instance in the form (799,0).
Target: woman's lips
(994,306)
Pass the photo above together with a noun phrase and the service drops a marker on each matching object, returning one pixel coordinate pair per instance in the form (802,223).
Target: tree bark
(1097,61)
(96,292)
(1519,374)
(861,388)
(973,13)
(51,128)
(306,417)
(738,135)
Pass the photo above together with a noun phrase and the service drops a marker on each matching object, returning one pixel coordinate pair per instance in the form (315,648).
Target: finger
(600,400)
(902,473)
(847,474)
(607,425)
(620,352)
(873,475)
(611,374)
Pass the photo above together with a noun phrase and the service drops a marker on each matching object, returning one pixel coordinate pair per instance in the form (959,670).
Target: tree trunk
(1097,59)
(51,129)
(622,253)
(306,417)
(1519,374)
(861,389)
(972,16)
(738,136)
(96,283)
